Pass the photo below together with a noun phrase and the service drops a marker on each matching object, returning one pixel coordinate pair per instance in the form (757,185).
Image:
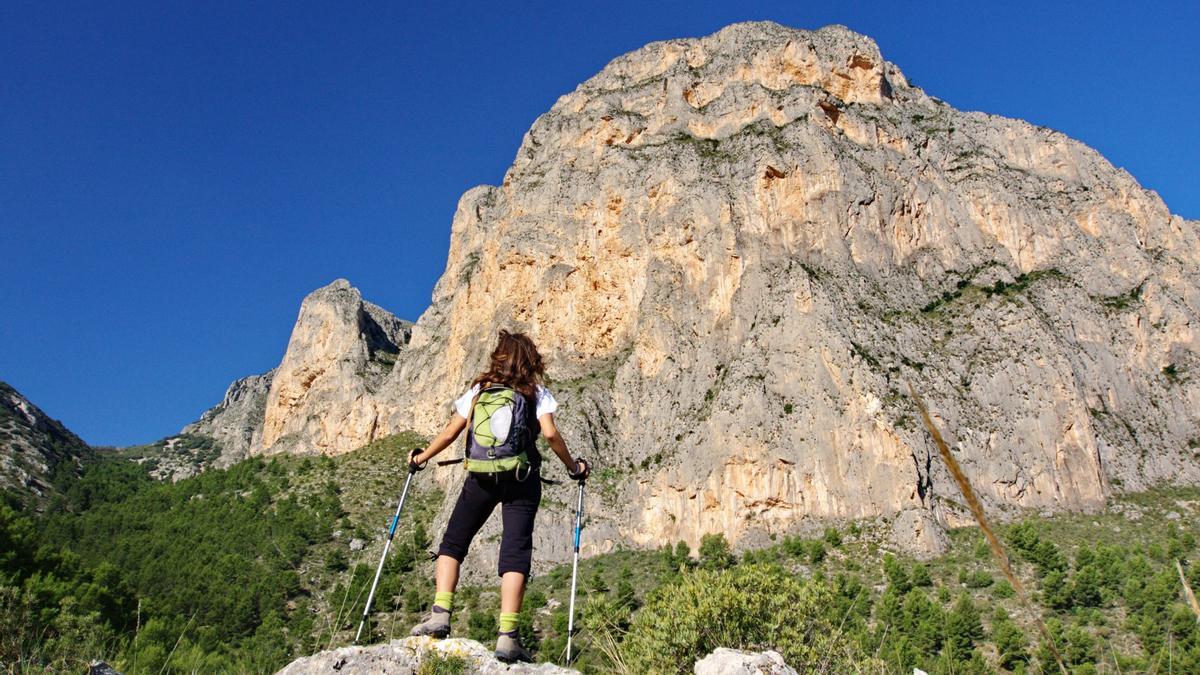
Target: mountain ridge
(37,448)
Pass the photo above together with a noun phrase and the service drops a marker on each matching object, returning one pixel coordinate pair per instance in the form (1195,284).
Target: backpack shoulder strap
(470,422)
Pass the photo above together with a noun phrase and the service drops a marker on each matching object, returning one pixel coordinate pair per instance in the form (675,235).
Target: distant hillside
(36,451)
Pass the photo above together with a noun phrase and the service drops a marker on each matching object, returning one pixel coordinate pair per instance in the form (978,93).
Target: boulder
(736,662)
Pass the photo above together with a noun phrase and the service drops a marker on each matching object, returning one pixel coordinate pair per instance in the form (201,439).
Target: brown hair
(515,362)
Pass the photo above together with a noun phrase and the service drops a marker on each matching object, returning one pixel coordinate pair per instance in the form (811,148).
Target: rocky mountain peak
(736,251)
(339,350)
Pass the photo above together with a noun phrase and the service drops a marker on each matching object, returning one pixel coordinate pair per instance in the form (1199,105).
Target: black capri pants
(479,497)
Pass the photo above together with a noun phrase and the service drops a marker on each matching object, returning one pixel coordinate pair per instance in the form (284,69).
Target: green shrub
(833,537)
(677,558)
(816,551)
(535,599)
(1056,591)
(978,579)
(336,561)
(439,664)
(414,600)
(625,595)
(714,552)
(482,626)
(963,629)
(597,583)
(748,607)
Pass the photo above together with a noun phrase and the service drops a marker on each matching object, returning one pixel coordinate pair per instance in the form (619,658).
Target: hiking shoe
(436,625)
(509,649)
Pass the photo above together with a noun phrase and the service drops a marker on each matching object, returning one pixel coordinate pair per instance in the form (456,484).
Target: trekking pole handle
(580,474)
(414,467)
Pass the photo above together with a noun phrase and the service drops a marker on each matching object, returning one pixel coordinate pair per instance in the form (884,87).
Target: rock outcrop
(737,250)
(33,448)
(322,398)
(409,655)
(339,353)
(737,662)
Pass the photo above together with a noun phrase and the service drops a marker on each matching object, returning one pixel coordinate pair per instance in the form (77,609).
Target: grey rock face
(737,250)
(236,422)
(918,531)
(33,446)
(406,656)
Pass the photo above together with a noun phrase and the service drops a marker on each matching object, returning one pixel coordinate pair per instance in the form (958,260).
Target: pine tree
(1056,592)
(1085,587)
(920,576)
(625,593)
(816,551)
(833,537)
(924,623)
(1009,640)
(896,574)
(963,629)
(683,555)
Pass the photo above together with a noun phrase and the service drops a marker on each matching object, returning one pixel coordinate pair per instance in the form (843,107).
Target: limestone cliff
(736,249)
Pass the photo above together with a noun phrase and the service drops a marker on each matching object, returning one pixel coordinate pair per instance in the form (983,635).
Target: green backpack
(501,431)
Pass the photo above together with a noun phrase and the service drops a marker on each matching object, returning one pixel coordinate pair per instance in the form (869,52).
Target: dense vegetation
(245,568)
(220,572)
(1108,588)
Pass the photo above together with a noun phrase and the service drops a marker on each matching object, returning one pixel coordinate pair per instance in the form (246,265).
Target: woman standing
(503,412)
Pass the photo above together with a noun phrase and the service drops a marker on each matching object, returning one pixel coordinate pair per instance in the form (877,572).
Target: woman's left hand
(582,469)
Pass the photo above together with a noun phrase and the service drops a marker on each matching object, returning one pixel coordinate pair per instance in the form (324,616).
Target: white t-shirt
(545,402)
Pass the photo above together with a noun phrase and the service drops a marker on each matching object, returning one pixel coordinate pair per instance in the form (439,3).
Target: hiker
(503,411)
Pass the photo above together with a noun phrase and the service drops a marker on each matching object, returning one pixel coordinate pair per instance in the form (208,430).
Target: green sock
(508,622)
(444,599)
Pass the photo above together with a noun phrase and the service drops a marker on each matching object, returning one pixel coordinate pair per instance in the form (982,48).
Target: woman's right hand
(413,465)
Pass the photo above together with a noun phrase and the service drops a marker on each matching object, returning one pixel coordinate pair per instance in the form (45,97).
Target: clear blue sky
(175,177)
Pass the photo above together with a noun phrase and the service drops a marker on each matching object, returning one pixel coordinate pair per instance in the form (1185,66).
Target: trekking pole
(387,545)
(574,571)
